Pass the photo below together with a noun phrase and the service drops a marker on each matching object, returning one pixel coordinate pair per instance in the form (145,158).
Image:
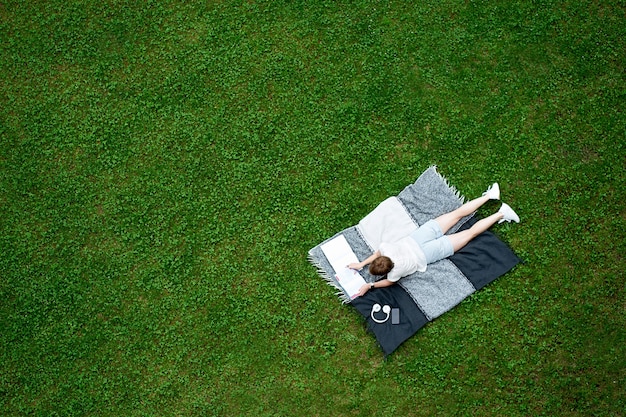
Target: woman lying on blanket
(429,243)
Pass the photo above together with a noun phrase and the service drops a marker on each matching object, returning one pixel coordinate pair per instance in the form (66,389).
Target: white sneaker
(508,213)
(493,192)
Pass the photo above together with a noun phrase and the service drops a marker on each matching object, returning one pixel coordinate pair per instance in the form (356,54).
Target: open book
(339,255)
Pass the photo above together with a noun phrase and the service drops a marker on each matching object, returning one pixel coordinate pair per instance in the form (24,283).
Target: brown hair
(381,266)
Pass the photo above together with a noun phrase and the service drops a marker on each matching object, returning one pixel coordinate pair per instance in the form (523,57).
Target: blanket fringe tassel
(329,280)
(456,192)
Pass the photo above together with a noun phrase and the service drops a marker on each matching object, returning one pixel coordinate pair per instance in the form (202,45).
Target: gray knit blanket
(422,296)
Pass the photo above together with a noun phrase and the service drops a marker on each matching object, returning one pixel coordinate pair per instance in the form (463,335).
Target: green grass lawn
(165,166)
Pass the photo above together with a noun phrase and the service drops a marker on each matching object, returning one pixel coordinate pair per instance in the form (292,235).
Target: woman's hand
(356,266)
(364,289)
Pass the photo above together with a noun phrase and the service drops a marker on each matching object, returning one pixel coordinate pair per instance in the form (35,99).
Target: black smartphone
(395,316)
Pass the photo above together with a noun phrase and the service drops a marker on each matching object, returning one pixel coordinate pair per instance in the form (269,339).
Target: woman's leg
(460,239)
(504,214)
(446,221)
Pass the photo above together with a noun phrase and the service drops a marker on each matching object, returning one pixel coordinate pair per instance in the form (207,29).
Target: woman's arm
(378,284)
(360,265)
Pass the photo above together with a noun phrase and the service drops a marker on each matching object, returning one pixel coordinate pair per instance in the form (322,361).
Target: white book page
(339,255)
(351,281)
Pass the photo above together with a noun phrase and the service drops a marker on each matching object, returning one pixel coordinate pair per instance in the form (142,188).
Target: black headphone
(376,308)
